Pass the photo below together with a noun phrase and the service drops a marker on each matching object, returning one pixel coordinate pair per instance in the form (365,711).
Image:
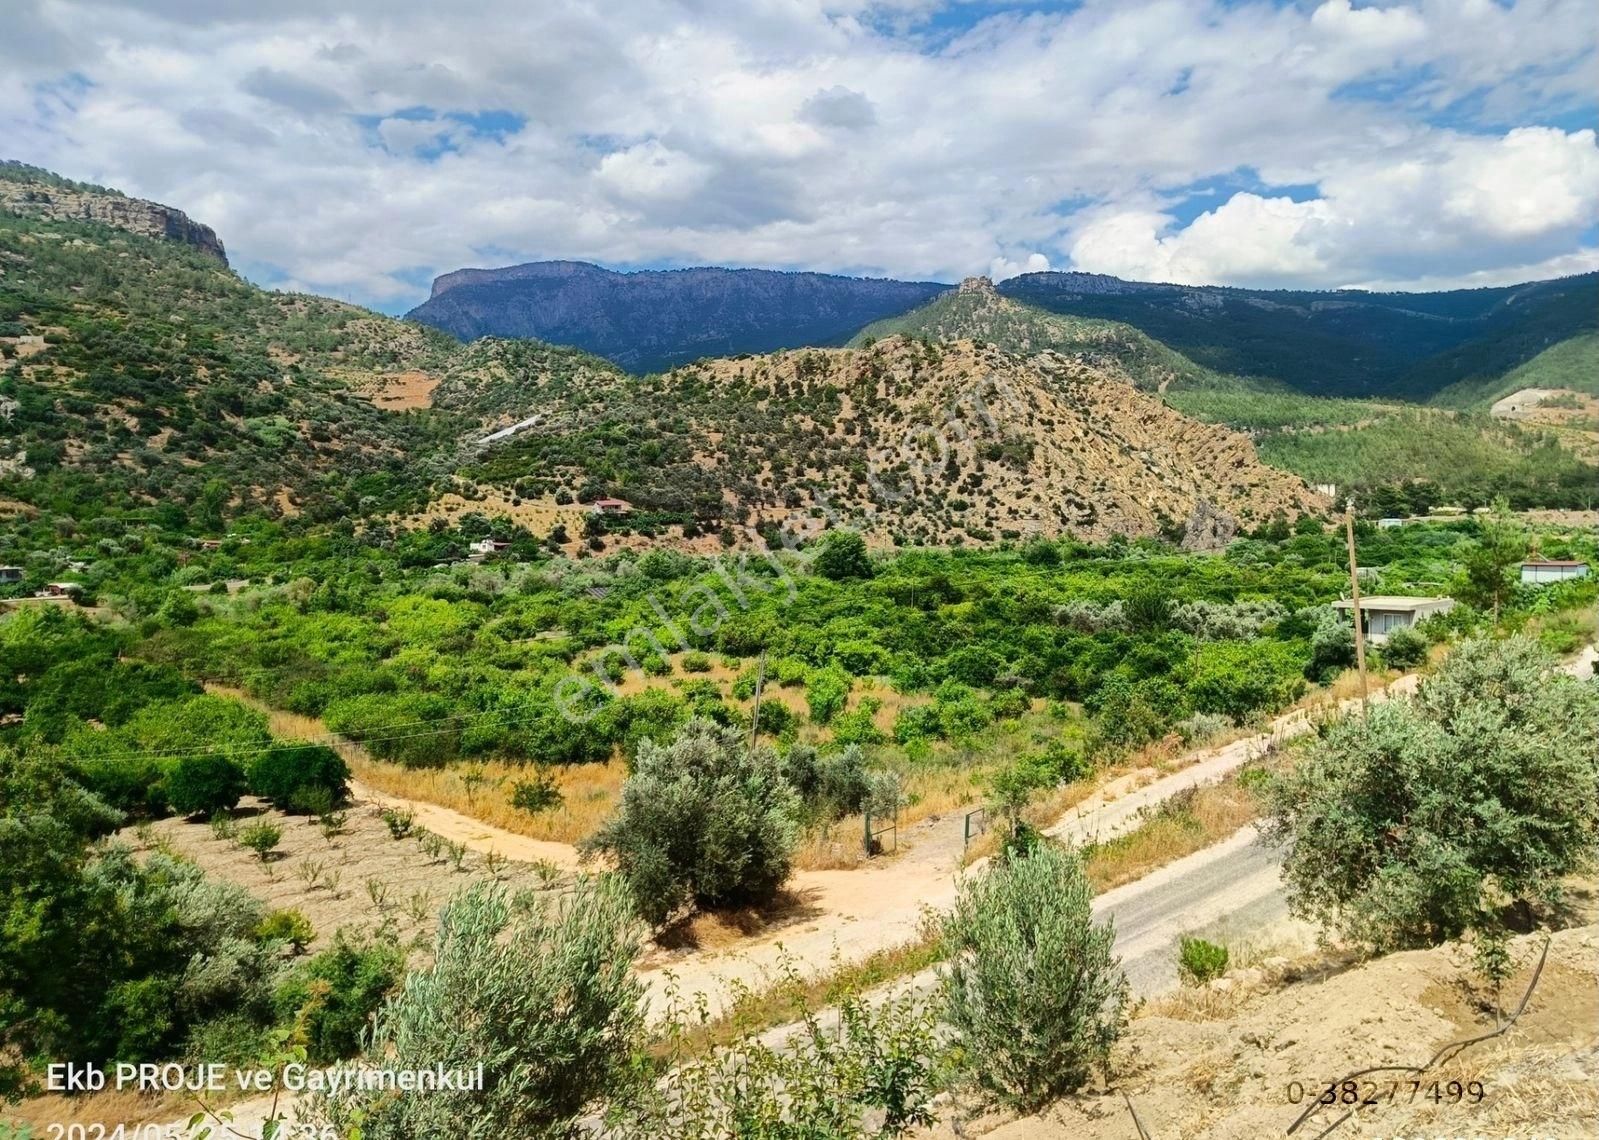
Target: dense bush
(540,990)
(200,785)
(283,774)
(331,996)
(705,820)
(1032,991)
(107,957)
(1425,819)
(843,555)
(1404,649)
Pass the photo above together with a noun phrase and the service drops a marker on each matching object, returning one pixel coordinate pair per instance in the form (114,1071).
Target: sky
(357,148)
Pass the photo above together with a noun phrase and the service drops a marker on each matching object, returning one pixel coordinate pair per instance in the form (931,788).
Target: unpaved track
(860,912)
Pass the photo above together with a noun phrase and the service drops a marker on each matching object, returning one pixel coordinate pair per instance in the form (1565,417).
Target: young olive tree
(705,820)
(539,991)
(1431,818)
(1032,989)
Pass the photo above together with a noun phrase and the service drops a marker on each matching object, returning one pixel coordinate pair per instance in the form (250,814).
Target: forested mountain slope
(651,320)
(1335,343)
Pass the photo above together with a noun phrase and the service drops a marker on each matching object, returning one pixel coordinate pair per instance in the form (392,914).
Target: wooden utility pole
(1354,594)
(755,713)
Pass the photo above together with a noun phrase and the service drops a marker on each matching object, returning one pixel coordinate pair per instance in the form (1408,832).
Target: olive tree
(1031,988)
(539,991)
(1434,817)
(705,820)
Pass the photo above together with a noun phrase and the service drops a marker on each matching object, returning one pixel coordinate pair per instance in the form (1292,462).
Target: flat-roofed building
(1381,614)
(1542,571)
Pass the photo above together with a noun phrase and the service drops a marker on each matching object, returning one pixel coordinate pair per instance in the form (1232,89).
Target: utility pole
(1354,594)
(755,713)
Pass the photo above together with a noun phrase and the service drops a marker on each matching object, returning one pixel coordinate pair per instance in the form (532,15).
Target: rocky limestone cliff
(652,320)
(63,201)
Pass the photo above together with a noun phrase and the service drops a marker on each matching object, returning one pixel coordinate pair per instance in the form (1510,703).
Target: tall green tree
(1489,572)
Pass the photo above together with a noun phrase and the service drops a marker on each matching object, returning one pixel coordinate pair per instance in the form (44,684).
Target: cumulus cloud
(1003,268)
(357,147)
(1449,208)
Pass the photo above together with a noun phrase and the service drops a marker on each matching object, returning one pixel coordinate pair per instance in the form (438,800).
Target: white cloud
(1462,205)
(1002,268)
(827,134)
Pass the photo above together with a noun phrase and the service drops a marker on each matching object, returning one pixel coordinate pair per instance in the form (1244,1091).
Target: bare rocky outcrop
(135,215)
(1208,528)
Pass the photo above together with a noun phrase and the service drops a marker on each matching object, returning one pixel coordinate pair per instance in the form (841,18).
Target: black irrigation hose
(1143,1133)
(1450,1050)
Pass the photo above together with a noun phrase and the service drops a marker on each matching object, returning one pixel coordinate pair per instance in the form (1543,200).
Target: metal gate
(875,831)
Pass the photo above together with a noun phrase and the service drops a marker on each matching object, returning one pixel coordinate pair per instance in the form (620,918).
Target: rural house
(1382,614)
(611,506)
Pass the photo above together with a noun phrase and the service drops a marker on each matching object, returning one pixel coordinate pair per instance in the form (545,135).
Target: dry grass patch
(482,790)
(1189,821)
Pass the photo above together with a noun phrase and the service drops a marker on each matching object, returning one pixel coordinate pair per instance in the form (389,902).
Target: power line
(478,719)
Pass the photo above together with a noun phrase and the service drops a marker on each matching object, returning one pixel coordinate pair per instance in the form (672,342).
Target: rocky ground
(1243,1058)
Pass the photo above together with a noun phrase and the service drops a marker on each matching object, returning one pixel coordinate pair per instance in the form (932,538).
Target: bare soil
(1229,1062)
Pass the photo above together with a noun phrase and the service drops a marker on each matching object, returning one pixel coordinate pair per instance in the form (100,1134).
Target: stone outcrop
(135,215)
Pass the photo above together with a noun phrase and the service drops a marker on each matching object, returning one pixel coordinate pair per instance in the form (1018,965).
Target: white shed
(1540,572)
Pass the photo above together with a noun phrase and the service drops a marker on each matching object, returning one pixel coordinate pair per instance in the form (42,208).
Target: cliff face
(652,320)
(63,201)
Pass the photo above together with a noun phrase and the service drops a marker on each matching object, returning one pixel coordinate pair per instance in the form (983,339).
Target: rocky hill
(977,311)
(651,320)
(911,441)
(29,191)
(138,372)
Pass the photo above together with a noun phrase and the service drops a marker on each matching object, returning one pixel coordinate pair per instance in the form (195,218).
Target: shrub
(262,838)
(539,989)
(696,662)
(1332,644)
(202,785)
(1031,988)
(1199,961)
(399,821)
(843,555)
(1404,649)
(704,820)
(538,794)
(826,692)
(1424,819)
(332,995)
(1237,678)
(872,1070)
(280,773)
(290,926)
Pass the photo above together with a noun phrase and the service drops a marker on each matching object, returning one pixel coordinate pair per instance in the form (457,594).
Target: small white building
(484,547)
(10,573)
(1381,614)
(1389,524)
(1541,571)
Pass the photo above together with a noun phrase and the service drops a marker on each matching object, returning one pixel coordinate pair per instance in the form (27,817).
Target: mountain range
(139,373)
(1332,343)
(652,320)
